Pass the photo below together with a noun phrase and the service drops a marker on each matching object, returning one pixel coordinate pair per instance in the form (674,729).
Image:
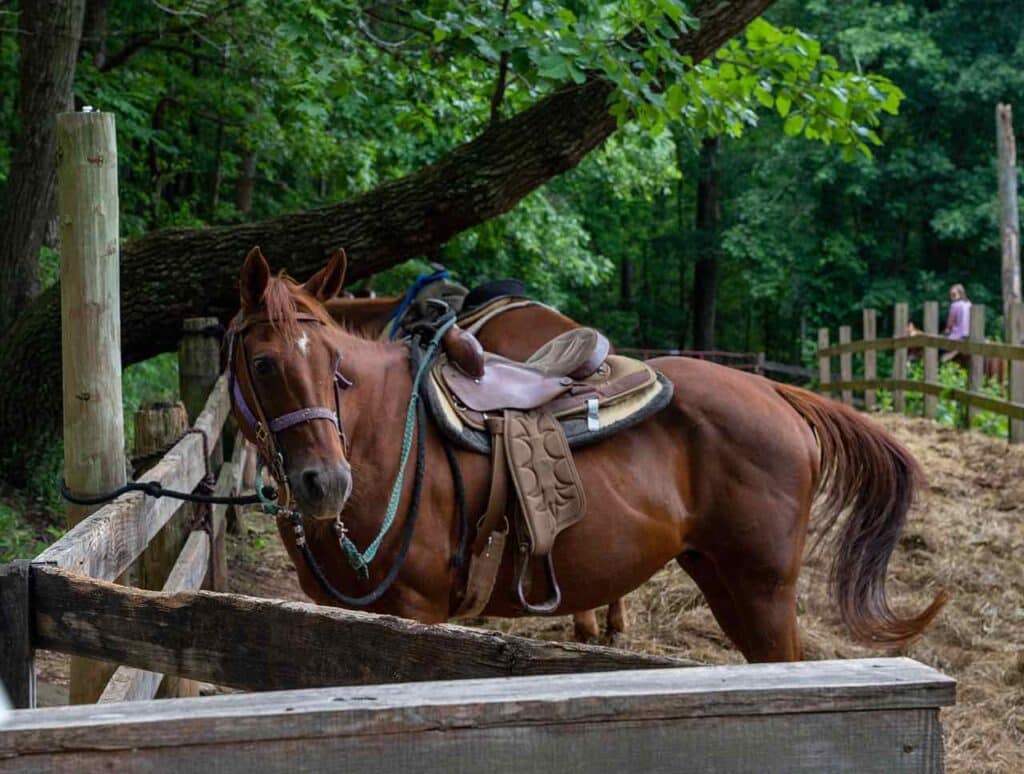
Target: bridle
(265,430)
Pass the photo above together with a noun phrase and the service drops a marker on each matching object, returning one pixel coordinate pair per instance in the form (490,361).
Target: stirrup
(552,603)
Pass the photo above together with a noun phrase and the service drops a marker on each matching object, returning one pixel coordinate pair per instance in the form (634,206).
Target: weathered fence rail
(754,362)
(999,358)
(874,715)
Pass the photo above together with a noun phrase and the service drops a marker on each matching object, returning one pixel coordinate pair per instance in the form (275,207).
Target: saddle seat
(549,372)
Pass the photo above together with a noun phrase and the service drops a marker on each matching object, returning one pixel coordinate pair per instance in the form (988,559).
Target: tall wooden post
(900,317)
(931,358)
(87,215)
(1009,217)
(824,361)
(976,372)
(870,356)
(1015,335)
(845,364)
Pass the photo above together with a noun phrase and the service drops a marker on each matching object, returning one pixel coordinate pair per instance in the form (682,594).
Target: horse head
(284,364)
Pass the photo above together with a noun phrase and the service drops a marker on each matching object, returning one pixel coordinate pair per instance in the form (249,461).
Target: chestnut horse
(722,480)
(515,334)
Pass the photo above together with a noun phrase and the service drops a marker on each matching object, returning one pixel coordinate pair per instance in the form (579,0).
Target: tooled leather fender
(546,481)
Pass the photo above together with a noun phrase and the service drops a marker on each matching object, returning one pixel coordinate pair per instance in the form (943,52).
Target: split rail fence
(1001,358)
(608,708)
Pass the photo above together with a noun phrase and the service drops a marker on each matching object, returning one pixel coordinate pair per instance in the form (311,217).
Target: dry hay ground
(966,534)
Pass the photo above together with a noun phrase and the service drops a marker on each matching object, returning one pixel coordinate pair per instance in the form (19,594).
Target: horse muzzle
(322,489)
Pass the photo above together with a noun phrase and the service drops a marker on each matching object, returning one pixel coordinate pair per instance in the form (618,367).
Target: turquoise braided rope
(361,561)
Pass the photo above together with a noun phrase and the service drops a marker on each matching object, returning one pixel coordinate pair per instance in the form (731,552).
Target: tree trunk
(705,275)
(174,274)
(49,39)
(94,31)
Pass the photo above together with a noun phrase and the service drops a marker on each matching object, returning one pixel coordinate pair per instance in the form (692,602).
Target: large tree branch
(170,275)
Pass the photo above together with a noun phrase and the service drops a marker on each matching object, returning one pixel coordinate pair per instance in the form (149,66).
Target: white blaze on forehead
(303,344)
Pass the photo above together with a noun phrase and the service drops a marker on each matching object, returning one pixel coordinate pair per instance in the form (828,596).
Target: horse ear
(327,283)
(252,283)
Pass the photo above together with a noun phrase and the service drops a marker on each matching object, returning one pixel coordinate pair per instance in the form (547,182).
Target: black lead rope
(154,489)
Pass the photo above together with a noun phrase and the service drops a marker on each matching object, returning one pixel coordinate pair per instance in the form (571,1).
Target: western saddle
(528,417)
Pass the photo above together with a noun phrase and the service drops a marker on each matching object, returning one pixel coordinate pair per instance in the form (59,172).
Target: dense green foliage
(857,151)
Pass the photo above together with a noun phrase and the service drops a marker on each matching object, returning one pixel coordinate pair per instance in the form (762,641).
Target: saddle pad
(547,484)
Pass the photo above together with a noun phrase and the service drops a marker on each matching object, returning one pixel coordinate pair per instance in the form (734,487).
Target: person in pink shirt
(958,324)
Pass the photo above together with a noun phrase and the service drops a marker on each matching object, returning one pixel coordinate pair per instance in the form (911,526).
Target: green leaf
(794,125)
(783,102)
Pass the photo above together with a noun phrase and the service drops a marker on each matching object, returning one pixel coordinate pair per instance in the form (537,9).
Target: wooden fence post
(156,427)
(1015,335)
(198,369)
(87,210)
(824,362)
(870,356)
(900,317)
(1009,218)
(846,364)
(931,358)
(976,372)
(17,671)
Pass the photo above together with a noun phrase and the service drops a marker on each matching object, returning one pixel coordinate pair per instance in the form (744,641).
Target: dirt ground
(966,534)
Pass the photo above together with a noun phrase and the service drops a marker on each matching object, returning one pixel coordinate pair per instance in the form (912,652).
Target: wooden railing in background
(930,342)
(755,362)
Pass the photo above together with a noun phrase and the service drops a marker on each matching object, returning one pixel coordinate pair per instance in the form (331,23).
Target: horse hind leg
(616,621)
(585,628)
(757,612)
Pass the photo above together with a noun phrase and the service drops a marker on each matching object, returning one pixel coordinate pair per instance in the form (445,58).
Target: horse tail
(868,475)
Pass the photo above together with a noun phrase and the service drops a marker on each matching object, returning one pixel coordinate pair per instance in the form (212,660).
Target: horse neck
(366,316)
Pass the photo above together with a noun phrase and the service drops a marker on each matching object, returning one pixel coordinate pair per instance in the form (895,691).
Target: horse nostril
(311,483)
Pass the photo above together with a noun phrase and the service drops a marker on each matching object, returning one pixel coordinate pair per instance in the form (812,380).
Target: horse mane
(283,299)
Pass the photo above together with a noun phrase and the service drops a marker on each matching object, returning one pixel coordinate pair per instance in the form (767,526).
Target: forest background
(714,217)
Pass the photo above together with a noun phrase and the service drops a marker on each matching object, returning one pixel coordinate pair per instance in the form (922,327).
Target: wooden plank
(976,371)
(218,575)
(931,357)
(824,361)
(130,684)
(239,460)
(964,346)
(107,542)
(900,318)
(259,644)
(871,742)
(995,405)
(770,366)
(1015,335)
(17,664)
(846,364)
(870,356)
(858,715)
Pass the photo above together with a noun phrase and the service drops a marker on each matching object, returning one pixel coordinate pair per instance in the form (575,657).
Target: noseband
(266,430)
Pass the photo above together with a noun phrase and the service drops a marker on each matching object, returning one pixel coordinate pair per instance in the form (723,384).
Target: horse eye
(263,366)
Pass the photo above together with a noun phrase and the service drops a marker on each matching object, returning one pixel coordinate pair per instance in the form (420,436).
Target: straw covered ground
(966,534)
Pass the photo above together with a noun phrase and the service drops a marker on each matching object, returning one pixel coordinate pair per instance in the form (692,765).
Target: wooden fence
(860,715)
(1008,357)
(754,362)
